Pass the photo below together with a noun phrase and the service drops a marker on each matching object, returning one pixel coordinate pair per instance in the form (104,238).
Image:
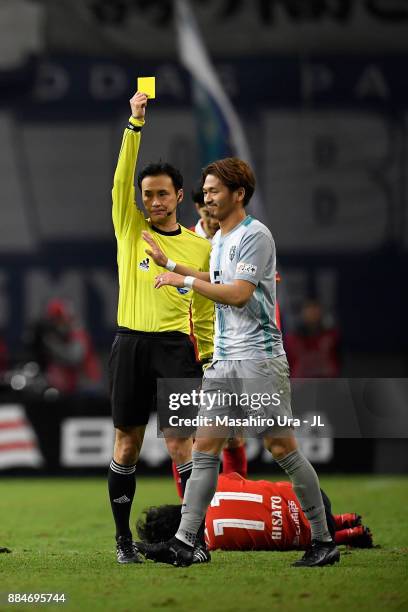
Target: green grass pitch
(61,536)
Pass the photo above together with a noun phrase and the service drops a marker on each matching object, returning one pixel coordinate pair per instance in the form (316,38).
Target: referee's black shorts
(137,359)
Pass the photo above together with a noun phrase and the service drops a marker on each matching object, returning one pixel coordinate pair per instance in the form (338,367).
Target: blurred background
(313,92)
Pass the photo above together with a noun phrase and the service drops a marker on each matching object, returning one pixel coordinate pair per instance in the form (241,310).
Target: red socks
(177,480)
(358,537)
(344,536)
(347,520)
(235,460)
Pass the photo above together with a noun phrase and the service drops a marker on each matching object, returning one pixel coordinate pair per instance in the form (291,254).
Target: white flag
(221,133)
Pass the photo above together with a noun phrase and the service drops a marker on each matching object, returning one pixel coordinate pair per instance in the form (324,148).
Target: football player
(252,515)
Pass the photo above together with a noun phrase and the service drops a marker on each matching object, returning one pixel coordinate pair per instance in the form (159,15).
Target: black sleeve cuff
(134,128)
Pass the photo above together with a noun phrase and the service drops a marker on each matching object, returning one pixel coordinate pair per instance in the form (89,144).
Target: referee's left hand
(169,278)
(155,252)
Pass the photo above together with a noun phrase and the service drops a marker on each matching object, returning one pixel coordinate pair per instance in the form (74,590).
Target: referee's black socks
(122,486)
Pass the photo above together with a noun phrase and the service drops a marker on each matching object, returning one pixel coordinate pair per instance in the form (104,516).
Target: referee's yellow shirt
(142,307)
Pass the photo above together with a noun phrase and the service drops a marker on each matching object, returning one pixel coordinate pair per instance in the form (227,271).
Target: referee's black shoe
(320,553)
(126,550)
(173,552)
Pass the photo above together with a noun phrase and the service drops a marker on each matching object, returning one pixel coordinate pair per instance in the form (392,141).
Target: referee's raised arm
(123,191)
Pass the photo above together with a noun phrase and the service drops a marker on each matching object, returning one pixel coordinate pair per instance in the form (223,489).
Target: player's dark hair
(159,523)
(233,173)
(158,168)
(197,195)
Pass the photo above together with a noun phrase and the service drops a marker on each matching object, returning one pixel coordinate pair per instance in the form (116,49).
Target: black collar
(173,233)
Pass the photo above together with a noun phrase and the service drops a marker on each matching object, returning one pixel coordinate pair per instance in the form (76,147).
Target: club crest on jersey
(144,265)
(232,252)
(246,268)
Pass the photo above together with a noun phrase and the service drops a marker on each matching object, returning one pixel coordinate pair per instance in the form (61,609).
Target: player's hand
(155,251)
(169,278)
(138,105)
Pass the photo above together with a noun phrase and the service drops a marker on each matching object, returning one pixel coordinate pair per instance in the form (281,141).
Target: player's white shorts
(258,390)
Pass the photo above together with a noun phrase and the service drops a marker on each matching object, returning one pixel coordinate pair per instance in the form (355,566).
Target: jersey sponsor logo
(144,265)
(232,252)
(294,513)
(183,290)
(246,268)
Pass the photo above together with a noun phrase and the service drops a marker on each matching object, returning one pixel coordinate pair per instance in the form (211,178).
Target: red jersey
(255,515)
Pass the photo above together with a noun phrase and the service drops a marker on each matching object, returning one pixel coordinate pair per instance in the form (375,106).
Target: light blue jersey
(248,253)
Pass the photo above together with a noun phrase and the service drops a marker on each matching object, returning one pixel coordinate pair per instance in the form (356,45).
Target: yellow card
(147,85)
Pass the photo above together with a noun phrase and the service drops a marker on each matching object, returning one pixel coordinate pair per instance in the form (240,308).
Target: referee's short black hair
(158,168)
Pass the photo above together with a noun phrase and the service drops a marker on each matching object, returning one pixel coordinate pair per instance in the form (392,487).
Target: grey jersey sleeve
(256,251)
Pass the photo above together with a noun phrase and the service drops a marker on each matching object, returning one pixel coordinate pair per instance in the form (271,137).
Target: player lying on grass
(253,515)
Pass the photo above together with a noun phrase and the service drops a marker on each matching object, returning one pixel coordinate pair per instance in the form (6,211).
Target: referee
(152,339)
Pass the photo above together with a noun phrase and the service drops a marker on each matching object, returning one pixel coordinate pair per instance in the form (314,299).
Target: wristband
(189,281)
(134,128)
(170,265)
